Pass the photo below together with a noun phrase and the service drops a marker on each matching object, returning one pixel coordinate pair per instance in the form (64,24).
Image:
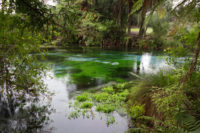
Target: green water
(91,67)
(75,70)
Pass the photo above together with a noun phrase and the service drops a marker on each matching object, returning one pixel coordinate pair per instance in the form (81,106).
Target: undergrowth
(158,103)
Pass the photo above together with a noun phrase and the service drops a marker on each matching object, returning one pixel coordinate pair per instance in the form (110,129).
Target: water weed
(107,100)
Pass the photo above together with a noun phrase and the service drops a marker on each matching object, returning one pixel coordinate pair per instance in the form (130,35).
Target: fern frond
(188,122)
(137,6)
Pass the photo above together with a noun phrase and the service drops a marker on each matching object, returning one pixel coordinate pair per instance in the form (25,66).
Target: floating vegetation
(86,105)
(105,108)
(83,97)
(108,100)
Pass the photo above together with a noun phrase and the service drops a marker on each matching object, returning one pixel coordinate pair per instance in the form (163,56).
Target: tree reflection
(29,118)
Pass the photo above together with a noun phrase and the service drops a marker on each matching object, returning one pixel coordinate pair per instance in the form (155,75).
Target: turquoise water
(93,67)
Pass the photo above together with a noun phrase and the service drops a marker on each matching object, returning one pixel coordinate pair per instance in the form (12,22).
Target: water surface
(74,71)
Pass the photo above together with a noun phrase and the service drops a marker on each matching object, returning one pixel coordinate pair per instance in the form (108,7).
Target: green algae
(89,68)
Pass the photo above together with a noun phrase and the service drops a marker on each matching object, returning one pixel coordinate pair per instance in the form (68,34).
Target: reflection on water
(86,69)
(61,87)
(147,63)
(73,72)
(29,118)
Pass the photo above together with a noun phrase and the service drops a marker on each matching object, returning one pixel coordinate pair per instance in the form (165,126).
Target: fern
(137,6)
(188,122)
(137,130)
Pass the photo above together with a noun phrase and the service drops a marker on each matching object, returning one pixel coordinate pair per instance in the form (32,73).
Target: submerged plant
(110,120)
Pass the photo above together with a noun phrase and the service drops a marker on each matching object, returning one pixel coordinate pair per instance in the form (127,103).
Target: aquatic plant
(123,95)
(94,67)
(110,120)
(83,97)
(86,105)
(108,89)
(101,97)
(105,101)
(74,115)
(105,108)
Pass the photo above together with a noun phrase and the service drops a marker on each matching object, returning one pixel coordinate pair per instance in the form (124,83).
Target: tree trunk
(120,14)
(129,24)
(143,16)
(193,63)
(129,18)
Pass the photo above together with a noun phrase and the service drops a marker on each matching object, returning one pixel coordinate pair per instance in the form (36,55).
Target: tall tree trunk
(129,18)
(193,63)
(120,13)
(129,24)
(143,16)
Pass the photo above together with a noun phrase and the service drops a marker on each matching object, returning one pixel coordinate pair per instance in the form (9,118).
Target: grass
(150,83)
(136,30)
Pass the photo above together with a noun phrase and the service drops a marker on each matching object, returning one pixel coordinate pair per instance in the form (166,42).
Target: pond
(74,71)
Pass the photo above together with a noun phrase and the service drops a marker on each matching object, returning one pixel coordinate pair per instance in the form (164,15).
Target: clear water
(75,71)
(72,72)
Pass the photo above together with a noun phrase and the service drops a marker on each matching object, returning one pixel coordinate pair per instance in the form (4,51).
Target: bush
(136,111)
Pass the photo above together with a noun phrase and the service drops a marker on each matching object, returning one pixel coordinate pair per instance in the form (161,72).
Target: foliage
(160,27)
(136,111)
(137,5)
(21,75)
(88,26)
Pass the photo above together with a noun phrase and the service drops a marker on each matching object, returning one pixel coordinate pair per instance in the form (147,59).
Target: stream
(73,71)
